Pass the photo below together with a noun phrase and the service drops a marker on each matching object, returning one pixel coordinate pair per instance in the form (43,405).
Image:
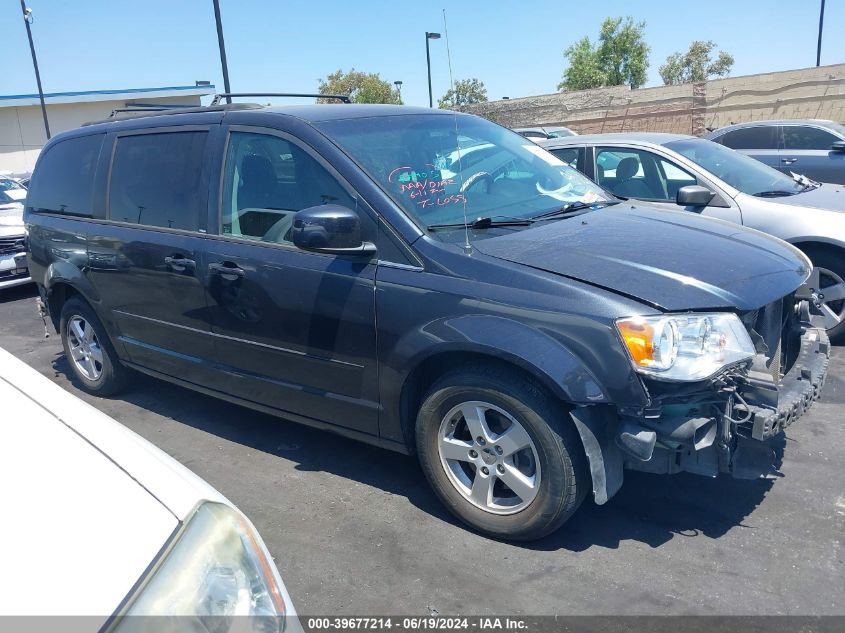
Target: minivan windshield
(434,165)
(738,170)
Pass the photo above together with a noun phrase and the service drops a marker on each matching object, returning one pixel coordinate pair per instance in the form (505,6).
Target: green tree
(361,87)
(696,64)
(619,57)
(464,92)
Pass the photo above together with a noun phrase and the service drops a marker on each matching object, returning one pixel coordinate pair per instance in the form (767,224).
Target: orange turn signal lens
(638,336)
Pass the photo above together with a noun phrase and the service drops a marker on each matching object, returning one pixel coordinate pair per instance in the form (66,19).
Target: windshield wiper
(806,183)
(574,208)
(775,193)
(484,223)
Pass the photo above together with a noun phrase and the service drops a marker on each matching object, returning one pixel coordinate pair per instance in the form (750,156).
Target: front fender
(556,367)
(544,357)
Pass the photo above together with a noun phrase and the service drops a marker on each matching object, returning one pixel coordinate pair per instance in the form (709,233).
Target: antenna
(467,245)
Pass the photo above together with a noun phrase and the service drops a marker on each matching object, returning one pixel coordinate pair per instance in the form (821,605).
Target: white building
(22,132)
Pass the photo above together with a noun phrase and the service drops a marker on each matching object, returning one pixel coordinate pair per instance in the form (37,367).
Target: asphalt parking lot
(356,531)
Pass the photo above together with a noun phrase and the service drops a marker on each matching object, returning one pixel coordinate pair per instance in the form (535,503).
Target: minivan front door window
(266,181)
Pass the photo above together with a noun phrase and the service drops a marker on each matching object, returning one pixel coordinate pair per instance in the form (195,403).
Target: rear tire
(549,474)
(93,361)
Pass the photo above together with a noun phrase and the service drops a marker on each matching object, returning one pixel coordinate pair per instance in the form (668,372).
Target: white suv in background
(13,267)
(99,522)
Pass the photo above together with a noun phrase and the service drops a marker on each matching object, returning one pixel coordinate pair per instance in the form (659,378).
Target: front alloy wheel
(829,269)
(832,293)
(489,457)
(501,452)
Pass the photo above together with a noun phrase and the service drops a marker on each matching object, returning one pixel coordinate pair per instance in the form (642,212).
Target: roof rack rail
(148,108)
(119,114)
(226,95)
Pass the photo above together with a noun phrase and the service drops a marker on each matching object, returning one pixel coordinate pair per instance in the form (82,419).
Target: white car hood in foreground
(86,503)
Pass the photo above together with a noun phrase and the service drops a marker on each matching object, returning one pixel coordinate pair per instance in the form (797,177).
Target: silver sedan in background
(700,176)
(812,147)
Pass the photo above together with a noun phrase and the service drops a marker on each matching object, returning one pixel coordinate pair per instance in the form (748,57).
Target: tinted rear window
(63,181)
(758,137)
(804,137)
(156,180)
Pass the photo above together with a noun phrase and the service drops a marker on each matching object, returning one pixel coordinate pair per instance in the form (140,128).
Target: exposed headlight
(215,578)
(685,346)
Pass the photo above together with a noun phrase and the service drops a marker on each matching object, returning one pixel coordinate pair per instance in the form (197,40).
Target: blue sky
(273,45)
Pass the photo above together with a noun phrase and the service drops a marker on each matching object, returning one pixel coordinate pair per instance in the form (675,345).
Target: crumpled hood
(673,260)
(828,196)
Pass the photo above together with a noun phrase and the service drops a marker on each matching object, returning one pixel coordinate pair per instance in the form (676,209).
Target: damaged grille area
(776,333)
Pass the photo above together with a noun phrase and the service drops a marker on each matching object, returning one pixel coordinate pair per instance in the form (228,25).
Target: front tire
(88,349)
(831,267)
(501,453)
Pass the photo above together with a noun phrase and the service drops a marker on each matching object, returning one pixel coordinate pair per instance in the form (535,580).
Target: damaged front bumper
(728,426)
(724,425)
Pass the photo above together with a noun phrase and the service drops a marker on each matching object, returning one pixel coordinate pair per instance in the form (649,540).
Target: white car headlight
(215,573)
(685,347)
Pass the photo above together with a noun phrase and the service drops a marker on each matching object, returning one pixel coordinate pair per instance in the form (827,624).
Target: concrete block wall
(686,109)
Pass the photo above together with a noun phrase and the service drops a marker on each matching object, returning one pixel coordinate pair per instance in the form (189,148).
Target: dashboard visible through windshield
(444,170)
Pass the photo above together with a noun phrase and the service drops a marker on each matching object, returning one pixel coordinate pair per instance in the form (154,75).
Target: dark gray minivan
(428,282)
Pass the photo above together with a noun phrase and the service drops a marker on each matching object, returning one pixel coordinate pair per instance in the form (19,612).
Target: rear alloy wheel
(500,452)
(92,358)
(84,346)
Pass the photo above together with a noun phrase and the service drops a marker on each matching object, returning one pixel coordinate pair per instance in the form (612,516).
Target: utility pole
(222,45)
(429,36)
(27,19)
(821,26)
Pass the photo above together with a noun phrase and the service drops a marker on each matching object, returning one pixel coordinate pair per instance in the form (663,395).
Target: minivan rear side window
(756,137)
(156,180)
(63,181)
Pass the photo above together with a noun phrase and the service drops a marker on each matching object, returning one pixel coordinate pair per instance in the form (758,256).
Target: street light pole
(222,45)
(398,85)
(27,17)
(821,25)
(429,36)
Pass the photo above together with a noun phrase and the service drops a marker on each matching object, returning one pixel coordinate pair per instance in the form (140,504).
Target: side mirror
(694,196)
(330,228)
(838,146)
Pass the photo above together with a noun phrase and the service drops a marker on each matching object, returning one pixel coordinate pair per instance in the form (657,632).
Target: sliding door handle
(179,264)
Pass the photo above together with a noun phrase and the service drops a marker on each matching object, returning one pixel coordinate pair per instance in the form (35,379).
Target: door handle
(788,161)
(227,270)
(180,264)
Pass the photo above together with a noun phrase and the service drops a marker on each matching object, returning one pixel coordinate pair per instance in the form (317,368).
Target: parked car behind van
(350,267)
(812,147)
(699,176)
(13,267)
